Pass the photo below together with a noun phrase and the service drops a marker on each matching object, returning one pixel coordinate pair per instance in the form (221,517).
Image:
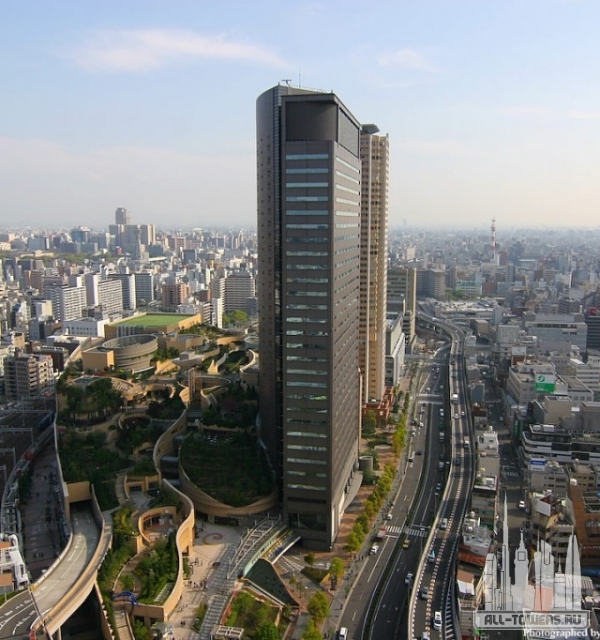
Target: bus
(466,443)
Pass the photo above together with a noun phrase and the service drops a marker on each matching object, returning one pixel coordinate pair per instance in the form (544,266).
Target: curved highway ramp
(49,603)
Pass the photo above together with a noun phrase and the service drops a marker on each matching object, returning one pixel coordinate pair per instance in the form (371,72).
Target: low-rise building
(13,572)
(27,375)
(86,327)
(484,499)
(547,475)
(549,442)
(550,522)
(583,509)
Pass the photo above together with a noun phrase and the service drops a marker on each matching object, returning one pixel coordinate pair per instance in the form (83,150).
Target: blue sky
(492,106)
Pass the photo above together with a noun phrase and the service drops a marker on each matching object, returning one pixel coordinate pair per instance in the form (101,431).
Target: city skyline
(490,106)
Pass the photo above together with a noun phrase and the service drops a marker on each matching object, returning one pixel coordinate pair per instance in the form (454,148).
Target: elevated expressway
(47,604)
(55,597)
(439,575)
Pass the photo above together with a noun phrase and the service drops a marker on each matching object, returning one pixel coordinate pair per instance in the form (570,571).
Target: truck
(381,534)
(455,398)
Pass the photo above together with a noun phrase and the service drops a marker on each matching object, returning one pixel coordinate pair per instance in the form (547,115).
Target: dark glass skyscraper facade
(309,169)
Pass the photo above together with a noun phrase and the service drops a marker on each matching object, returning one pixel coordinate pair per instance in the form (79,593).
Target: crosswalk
(418,532)
(510,473)
(414,531)
(394,530)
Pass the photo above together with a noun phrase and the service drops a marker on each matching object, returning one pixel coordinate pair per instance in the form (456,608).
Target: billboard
(545,382)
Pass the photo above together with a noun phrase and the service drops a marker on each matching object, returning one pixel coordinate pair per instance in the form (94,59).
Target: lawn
(154,320)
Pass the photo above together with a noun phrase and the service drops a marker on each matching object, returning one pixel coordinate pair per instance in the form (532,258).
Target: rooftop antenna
(287,81)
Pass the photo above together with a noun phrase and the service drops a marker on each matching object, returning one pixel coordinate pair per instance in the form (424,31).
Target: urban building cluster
(333,295)
(533,368)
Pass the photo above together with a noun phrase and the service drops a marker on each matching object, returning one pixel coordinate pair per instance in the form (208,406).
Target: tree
(310,558)
(140,632)
(235,318)
(369,423)
(359,531)
(127,582)
(336,568)
(311,632)
(267,631)
(353,542)
(363,521)
(318,607)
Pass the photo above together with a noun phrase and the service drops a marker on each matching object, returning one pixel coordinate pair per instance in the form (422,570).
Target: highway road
(410,518)
(18,614)
(438,574)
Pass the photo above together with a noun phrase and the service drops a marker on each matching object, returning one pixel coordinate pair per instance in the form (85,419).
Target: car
(463,414)
(425,635)
(406,543)
(419,453)
(374,550)
(424,593)
(343,633)
(444,524)
(457,462)
(456,416)
(438,486)
(409,578)
(437,620)
(390,515)
(521,504)
(431,556)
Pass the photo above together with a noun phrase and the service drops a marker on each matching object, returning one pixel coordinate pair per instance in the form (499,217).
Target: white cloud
(407,59)
(143,49)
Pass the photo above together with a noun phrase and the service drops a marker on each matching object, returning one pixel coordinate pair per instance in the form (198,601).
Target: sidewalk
(209,547)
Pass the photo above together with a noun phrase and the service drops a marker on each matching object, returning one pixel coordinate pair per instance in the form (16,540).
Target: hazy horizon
(492,108)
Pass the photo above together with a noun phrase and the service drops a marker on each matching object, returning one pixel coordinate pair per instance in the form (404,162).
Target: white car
(409,578)
(521,504)
(374,550)
(437,620)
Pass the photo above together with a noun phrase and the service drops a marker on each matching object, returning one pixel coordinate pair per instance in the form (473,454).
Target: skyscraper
(122,216)
(374,153)
(308,170)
